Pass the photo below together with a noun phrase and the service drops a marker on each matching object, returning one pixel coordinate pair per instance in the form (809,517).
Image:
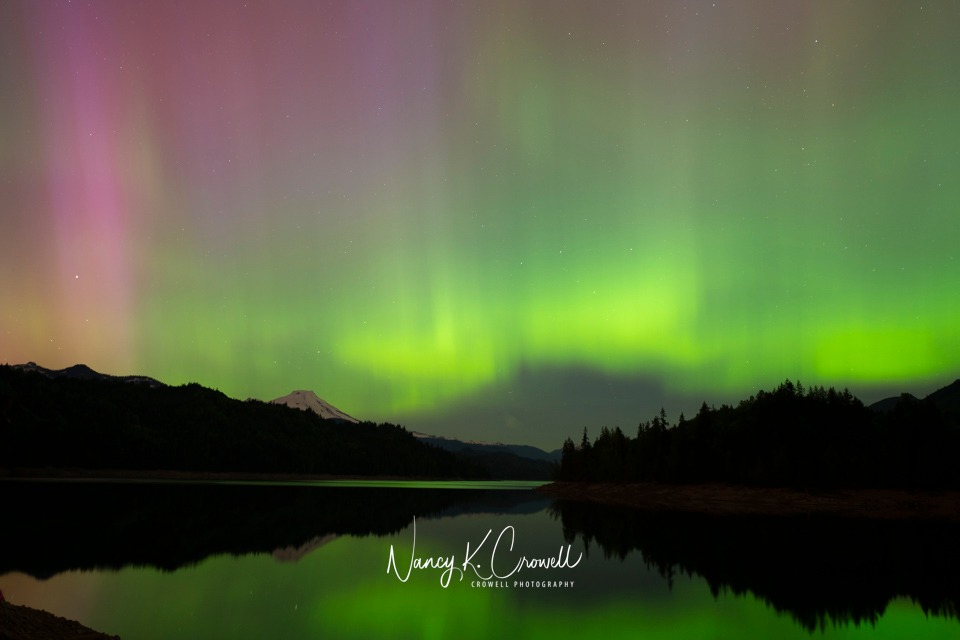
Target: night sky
(498,220)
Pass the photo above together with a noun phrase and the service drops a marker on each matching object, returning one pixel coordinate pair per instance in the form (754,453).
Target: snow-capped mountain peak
(308,401)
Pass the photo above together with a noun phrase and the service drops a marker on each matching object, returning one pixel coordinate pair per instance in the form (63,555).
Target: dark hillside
(92,422)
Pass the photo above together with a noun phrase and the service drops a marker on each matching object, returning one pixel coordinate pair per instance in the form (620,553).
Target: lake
(466,560)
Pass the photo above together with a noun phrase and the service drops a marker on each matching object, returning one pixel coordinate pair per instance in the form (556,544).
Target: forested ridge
(117,423)
(790,436)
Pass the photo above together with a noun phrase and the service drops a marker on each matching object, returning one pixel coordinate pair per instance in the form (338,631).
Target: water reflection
(820,570)
(310,561)
(57,527)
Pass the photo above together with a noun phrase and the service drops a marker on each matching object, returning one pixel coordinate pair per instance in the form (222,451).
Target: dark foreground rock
(24,623)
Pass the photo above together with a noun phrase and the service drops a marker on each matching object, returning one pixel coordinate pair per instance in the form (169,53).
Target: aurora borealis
(500,220)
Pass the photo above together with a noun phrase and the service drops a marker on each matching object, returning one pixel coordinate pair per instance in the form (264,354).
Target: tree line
(790,436)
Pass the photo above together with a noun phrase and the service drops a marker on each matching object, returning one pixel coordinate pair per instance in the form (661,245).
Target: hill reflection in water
(54,527)
(820,570)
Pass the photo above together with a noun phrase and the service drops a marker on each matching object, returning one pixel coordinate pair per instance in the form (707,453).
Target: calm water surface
(310,560)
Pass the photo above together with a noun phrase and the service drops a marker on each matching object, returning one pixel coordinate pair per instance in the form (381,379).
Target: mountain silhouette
(507,461)
(947,399)
(83,372)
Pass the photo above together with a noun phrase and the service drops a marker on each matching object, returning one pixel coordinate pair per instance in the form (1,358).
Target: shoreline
(729,500)
(709,499)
